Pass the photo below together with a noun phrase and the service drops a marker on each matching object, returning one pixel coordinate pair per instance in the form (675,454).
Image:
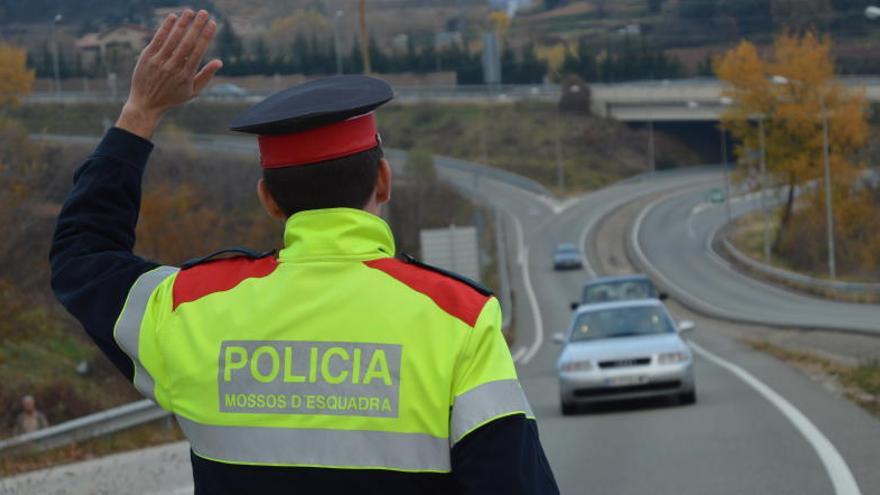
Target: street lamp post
(763,164)
(726,174)
(725,100)
(55,64)
(693,105)
(651,159)
(829,212)
(826,158)
(560,172)
(336,42)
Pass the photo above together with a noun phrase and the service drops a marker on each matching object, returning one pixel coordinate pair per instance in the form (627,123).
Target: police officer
(333,366)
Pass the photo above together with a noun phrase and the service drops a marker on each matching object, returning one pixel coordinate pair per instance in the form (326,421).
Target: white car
(624,350)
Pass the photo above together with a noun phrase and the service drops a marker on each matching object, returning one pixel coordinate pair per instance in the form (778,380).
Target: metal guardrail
(86,427)
(797,279)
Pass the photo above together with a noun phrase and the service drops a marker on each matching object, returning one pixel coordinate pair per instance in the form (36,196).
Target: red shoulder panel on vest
(455,296)
(220,275)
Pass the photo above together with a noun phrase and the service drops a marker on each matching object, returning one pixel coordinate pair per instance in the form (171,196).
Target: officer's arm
(93,266)
(94,272)
(496,449)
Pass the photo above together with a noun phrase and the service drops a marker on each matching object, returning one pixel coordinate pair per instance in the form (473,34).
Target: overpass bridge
(681,100)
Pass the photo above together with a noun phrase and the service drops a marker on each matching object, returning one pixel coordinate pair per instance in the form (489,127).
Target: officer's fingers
(161,35)
(176,34)
(205,75)
(184,50)
(204,40)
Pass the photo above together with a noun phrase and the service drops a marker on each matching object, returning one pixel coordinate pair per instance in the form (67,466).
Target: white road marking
(518,354)
(523,261)
(841,477)
(690,227)
(582,241)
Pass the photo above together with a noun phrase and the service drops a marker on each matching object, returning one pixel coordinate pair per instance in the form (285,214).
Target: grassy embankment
(860,383)
(519,137)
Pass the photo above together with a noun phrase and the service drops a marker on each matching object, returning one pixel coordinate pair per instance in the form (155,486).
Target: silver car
(624,350)
(567,257)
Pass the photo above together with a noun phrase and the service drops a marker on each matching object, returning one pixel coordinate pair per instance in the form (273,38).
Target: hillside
(695,29)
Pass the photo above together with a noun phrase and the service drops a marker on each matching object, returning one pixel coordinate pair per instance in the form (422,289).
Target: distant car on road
(716,195)
(624,350)
(226,90)
(567,257)
(619,288)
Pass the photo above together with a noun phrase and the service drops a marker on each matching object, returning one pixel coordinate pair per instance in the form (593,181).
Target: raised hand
(167,73)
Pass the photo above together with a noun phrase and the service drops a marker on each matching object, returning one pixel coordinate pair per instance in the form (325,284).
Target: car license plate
(625,381)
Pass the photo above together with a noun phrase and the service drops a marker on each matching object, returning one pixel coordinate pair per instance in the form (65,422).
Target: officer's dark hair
(344,182)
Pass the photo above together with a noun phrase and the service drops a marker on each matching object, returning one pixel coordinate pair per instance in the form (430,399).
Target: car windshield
(621,322)
(566,248)
(618,291)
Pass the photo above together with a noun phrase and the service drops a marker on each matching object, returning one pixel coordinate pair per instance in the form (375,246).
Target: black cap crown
(314,104)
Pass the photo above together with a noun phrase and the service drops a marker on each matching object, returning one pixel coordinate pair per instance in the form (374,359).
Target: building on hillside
(114,49)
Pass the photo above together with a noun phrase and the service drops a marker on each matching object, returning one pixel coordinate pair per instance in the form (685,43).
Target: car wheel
(687,398)
(568,408)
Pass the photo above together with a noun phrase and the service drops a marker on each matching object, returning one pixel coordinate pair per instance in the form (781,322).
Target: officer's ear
(269,203)
(383,182)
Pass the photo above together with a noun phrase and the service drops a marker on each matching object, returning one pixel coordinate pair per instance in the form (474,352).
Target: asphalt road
(736,439)
(674,234)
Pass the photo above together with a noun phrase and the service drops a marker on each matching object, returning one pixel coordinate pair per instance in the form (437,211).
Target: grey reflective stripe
(318,447)
(485,403)
(128,327)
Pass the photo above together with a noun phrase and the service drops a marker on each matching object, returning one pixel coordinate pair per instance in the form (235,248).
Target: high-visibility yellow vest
(332,354)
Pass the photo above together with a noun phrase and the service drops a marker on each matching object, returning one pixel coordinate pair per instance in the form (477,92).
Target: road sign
(455,249)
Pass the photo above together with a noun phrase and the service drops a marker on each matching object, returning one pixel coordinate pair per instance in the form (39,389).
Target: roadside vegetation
(859,383)
(790,92)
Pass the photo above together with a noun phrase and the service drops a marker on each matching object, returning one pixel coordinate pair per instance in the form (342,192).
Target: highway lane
(674,236)
(728,443)
(853,432)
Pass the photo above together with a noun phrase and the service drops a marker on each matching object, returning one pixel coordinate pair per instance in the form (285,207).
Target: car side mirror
(686,326)
(574,305)
(663,296)
(559,338)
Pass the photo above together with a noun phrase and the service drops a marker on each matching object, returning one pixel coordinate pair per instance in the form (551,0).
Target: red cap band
(329,142)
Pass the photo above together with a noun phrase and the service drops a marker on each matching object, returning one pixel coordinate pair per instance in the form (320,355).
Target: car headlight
(673,357)
(577,366)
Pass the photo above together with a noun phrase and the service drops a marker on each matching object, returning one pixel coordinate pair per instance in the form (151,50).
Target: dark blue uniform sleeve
(93,266)
(503,457)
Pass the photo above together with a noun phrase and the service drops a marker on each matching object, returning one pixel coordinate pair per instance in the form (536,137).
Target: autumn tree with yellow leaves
(791,89)
(15,78)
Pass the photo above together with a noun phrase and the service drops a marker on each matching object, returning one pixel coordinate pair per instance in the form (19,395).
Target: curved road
(674,234)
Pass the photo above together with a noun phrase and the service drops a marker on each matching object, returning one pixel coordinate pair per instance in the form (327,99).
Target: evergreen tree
(260,63)
(228,45)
